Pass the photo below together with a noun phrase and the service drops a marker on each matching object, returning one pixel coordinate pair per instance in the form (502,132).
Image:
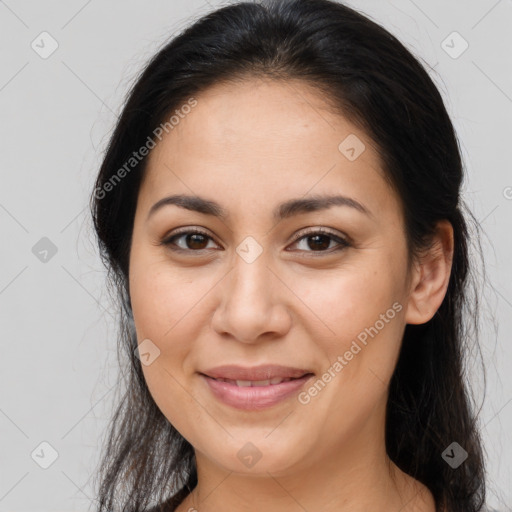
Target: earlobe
(431,277)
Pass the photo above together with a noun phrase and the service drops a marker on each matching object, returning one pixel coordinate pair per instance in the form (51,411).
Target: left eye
(320,241)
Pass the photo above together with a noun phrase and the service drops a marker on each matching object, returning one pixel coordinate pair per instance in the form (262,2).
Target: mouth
(258,383)
(255,388)
(265,374)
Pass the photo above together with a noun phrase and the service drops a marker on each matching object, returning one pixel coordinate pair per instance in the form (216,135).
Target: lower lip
(254,397)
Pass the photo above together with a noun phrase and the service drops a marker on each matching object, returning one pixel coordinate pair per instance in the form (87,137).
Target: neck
(356,477)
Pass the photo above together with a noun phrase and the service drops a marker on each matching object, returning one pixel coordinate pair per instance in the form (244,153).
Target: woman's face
(261,286)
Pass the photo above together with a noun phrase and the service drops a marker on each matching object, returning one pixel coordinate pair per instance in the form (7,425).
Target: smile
(255,395)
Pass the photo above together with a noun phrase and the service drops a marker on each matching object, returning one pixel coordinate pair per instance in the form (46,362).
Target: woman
(279,210)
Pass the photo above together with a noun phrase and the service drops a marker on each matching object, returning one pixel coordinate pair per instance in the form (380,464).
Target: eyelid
(320,230)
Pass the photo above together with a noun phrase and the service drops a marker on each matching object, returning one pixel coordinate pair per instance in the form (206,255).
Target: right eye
(190,240)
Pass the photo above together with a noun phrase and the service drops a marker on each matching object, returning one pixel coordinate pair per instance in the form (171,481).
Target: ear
(431,276)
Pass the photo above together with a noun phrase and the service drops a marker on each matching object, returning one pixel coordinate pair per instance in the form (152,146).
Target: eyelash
(342,242)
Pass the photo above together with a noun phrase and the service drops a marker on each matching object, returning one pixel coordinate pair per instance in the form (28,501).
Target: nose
(253,303)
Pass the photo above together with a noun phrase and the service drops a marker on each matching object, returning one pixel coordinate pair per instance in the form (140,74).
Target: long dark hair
(373,80)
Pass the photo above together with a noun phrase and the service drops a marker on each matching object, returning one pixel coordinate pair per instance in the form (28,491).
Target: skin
(249,146)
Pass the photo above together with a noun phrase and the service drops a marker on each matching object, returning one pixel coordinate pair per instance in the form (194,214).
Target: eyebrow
(282,211)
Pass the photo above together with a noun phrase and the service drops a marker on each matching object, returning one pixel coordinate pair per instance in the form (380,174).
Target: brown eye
(191,240)
(321,241)
(196,241)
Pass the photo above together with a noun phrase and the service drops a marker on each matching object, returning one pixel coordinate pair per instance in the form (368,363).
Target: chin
(257,458)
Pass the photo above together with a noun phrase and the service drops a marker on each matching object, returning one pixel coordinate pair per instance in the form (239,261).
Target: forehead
(259,141)
(247,113)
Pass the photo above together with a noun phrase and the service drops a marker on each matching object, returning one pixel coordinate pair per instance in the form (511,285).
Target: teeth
(261,383)
(253,383)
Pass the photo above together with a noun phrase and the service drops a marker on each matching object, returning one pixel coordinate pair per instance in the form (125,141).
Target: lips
(254,397)
(262,375)
(255,388)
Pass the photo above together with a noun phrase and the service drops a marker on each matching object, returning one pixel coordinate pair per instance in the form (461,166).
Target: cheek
(162,297)
(347,302)
(165,308)
(169,310)
(364,307)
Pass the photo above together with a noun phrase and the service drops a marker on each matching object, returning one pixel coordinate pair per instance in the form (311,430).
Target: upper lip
(255,373)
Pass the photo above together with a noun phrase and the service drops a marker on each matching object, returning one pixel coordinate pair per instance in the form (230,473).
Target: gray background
(58,364)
